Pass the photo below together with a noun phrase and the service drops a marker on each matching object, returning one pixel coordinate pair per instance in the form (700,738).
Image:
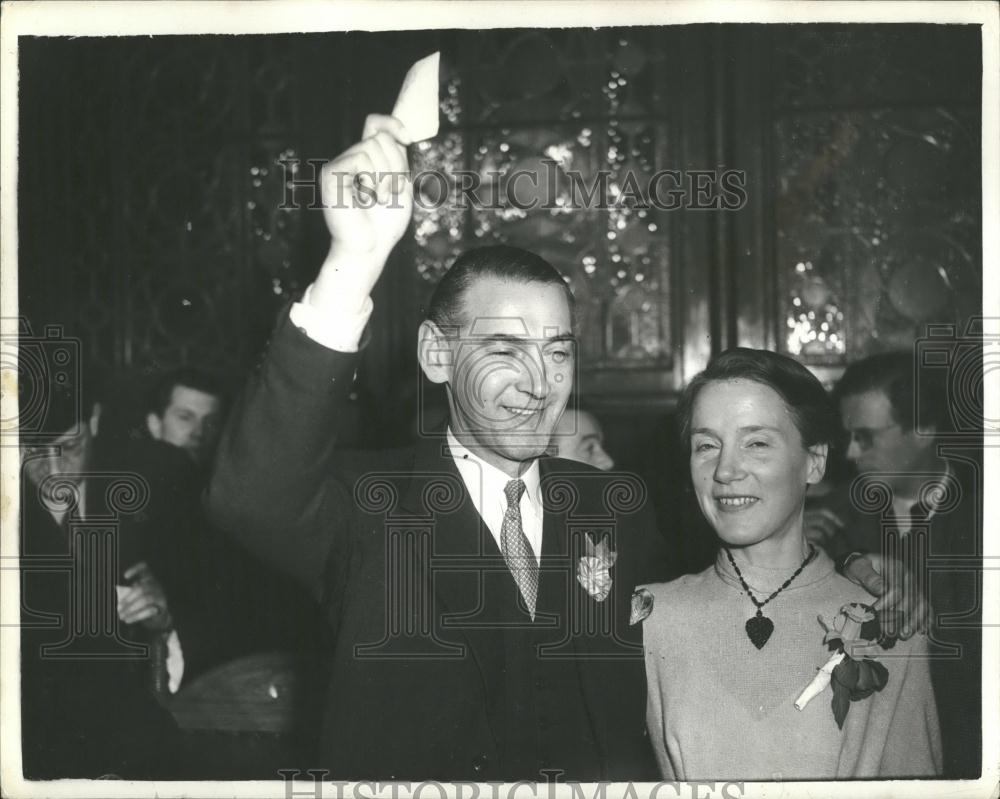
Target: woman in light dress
(730,651)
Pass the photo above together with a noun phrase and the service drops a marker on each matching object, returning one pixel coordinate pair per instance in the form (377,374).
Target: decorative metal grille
(572,109)
(877,203)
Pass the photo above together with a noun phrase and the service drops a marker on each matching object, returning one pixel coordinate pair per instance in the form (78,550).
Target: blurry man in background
(578,437)
(876,401)
(185,411)
(898,442)
(87,709)
(246,607)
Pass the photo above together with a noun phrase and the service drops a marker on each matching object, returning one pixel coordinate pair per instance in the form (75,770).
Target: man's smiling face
(511,369)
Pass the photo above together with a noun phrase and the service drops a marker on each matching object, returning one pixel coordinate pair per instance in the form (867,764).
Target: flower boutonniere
(593,571)
(854,636)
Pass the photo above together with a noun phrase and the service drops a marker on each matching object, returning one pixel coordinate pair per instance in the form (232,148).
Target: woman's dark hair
(806,399)
(500,261)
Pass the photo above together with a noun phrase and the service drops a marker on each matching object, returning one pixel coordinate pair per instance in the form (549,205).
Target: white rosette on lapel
(593,571)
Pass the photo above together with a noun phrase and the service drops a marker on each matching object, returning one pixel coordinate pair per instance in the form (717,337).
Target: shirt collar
(937,494)
(934,491)
(484,479)
(932,495)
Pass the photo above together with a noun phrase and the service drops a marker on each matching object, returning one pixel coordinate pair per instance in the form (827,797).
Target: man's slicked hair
(501,262)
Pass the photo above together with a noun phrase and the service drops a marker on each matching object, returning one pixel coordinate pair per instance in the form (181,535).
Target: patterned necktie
(516,549)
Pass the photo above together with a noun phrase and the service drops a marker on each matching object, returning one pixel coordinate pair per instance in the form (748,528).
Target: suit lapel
(552,574)
(462,557)
(563,594)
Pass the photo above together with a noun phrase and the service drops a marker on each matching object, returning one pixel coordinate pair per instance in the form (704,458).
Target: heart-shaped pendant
(759,629)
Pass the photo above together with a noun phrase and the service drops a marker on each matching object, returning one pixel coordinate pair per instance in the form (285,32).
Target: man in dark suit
(480,594)
(918,500)
(87,706)
(579,437)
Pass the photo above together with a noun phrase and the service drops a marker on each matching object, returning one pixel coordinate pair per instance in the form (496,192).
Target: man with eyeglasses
(917,500)
(87,708)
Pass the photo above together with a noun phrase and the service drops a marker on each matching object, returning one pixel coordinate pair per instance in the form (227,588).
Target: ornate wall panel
(151,193)
(570,112)
(273,115)
(183,200)
(876,168)
(68,273)
(170,248)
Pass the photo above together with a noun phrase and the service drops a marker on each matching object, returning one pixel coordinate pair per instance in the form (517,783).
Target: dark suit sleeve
(851,537)
(271,486)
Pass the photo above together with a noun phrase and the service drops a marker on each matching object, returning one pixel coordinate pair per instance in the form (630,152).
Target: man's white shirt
(339,329)
(902,506)
(485,484)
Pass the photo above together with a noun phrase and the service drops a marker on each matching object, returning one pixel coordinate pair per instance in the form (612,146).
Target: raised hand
(901,602)
(367,204)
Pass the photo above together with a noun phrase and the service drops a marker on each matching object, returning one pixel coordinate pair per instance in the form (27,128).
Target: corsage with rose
(855,637)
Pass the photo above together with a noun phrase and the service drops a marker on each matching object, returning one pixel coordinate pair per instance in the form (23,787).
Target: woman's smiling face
(749,466)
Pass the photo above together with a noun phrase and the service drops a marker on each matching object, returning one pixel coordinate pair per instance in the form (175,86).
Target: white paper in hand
(417,104)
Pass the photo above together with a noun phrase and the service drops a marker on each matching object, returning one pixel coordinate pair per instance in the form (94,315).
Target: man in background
(578,437)
(245,606)
(185,411)
(90,637)
(917,498)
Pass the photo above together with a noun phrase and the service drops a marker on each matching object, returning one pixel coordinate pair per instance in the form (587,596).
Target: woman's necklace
(760,627)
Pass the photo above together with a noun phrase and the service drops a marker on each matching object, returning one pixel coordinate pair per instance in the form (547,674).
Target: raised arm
(271,485)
